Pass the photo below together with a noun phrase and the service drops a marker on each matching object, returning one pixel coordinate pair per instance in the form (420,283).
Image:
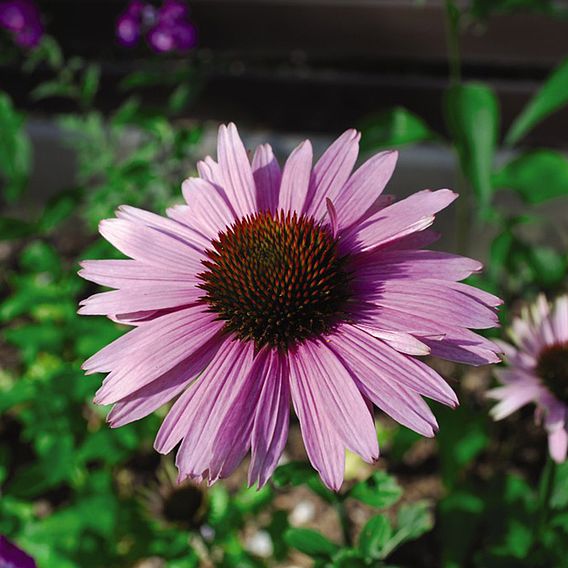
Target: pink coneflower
(304,285)
(538,370)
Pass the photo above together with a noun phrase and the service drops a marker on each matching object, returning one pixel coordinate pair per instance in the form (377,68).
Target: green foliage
(15,151)
(537,176)
(472,116)
(391,128)
(380,491)
(552,96)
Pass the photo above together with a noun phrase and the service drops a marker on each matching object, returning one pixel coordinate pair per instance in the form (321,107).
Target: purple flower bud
(161,39)
(128,30)
(22,18)
(172,11)
(13,557)
(185,36)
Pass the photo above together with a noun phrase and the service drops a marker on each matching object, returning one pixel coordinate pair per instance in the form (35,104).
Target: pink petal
(410,215)
(236,170)
(416,264)
(513,396)
(560,319)
(332,172)
(233,439)
(150,245)
(208,212)
(296,179)
(157,347)
(403,342)
(364,187)
(402,404)
(140,297)
(267,176)
(271,420)
(157,393)
(320,383)
(167,226)
(205,414)
(558,445)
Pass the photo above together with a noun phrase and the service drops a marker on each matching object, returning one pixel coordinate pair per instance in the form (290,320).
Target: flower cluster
(165,29)
(22,19)
(302,286)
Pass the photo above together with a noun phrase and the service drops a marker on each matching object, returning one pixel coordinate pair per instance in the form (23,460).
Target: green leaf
(310,542)
(90,84)
(374,536)
(298,473)
(551,97)
(472,116)
(39,256)
(548,266)
(537,176)
(15,150)
(414,519)
(559,499)
(381,490)
(348,558)
(393,127)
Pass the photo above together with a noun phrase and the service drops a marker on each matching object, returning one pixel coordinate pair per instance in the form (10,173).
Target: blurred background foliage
(76,493)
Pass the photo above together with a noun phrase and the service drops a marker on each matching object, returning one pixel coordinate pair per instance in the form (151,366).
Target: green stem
(546,486)
(344,522)
(453,41)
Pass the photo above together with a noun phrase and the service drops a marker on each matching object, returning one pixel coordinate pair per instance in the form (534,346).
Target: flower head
(272,287)
(538,370)
(23,20)
(13,557)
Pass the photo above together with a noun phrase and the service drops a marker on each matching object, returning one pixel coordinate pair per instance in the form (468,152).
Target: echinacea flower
(538,370)
(303,285)
(13,557)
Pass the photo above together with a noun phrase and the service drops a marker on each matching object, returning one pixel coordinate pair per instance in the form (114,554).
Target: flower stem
(344,522)
(546,487)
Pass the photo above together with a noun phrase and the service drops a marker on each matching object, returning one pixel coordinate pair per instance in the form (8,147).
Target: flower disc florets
(552,368)
(276,279)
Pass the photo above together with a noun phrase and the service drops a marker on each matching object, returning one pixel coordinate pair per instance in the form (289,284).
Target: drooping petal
(157,347)
(364,188)
(157,393)
(238,182)
(270,429)
(402,404)
(332,171)
(321,385)
(512,397)
(296,179)
(267,176)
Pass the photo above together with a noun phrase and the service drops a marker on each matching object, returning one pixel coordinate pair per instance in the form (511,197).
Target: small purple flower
(13,557)
(172,11)
(23,20)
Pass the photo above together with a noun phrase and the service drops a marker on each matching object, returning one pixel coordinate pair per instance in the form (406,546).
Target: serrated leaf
(381,490)
(552,96)
(310,542)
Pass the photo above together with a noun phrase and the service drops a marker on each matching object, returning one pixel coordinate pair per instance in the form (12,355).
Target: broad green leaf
(310,542)
(551,97)
(348,558)
(537,176)
(374,536)
(15,150)
(393,127)
(381,490)
(472,116)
